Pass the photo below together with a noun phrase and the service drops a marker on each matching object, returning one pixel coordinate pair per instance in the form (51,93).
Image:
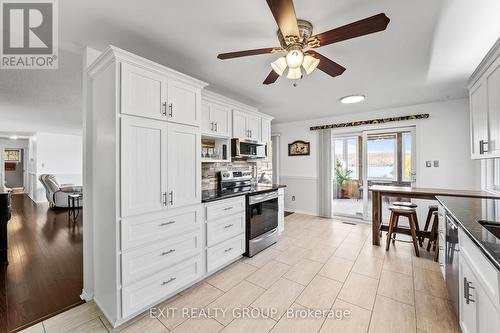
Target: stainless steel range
(261,209)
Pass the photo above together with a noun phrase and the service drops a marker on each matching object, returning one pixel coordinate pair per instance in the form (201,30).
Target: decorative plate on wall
(299,148)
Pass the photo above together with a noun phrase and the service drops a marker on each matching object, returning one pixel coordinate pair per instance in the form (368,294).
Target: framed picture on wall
(299,148)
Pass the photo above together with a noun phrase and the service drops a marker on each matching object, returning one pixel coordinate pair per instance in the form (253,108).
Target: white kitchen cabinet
(147,246)
(143,92)
(143,173)
(184,103)
(183,165)
(484,103)
(216,120)
(479,300)
(493,84)
(266,130)
(246,125)
(240,129)
(253,124)
(281,210)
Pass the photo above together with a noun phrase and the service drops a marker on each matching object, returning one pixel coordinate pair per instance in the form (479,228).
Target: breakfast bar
(379,191)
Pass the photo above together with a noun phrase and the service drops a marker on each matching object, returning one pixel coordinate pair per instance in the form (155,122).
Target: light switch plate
(436,164)
(428,164)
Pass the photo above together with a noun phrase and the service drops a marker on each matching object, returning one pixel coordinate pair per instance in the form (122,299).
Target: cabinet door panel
(184,103)
(205,118)
(467,311)
(479,119)
(253,124)
(221,116)
(143,92)
(266,130)
(184,165)
(240,125)
(493,81)
(143,177)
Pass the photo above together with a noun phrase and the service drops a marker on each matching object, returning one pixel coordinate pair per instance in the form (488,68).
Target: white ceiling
(426,54)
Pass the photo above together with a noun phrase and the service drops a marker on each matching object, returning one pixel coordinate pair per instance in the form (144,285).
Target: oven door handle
(266,236)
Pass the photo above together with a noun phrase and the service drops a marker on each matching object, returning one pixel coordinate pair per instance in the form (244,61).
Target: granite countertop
(467,211)
(214,195)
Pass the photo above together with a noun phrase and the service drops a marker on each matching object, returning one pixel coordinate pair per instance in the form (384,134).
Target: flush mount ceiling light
(351,99)
(13,137)
(298,42)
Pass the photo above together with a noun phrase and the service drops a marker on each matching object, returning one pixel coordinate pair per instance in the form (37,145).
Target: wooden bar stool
(411,215)
(432,210)
(434,238)
(409,205)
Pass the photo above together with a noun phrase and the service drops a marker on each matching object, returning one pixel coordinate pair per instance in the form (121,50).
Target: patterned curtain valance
(371,121)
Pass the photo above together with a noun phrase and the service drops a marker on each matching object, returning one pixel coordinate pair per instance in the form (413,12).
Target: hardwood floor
(320,264)
(45,271)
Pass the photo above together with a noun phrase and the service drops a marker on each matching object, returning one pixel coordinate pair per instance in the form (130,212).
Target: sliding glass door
(347,193)
(389,157)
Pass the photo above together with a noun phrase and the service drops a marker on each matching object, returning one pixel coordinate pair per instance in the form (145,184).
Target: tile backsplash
(261,170)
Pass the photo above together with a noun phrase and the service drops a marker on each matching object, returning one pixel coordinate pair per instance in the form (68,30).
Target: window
(382,157)
(11,155)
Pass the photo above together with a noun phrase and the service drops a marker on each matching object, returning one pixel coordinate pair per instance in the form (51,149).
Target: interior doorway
(14,168)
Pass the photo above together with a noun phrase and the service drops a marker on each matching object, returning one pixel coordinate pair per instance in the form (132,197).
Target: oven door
(262,214)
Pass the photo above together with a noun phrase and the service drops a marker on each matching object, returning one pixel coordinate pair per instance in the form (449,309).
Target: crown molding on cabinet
(487,61)
(210,96)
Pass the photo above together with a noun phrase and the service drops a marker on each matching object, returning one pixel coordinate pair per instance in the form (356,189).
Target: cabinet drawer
(150,228)
(148,291)
(143,262)
(225,228)
(224,252)
(225,208)
(485,272)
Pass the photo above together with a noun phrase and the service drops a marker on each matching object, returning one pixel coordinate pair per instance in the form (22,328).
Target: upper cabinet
(266,130)
(484,100)
(216,119)
(246,125)
(152,94)
(143,92)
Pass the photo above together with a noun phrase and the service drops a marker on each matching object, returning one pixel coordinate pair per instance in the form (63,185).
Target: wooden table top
(395,190)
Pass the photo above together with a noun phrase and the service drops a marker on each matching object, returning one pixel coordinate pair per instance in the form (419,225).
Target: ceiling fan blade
(271,78)
(284,14)
(326,65)
(359,28)
(246,53)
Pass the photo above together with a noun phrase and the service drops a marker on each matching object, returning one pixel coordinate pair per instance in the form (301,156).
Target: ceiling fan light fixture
(351,99)
(294,73)
(295,57)
(279,65)
(310,63)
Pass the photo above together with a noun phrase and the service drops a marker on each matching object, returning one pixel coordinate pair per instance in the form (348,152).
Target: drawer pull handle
(227,250)
(166,223)
(167,282)
(228,226)
(167,252)
(228,208)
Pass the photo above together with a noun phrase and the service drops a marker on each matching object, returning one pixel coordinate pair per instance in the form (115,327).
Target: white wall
(444,137)
(57,154)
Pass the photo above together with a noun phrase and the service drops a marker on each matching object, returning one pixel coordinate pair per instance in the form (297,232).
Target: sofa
(57,195)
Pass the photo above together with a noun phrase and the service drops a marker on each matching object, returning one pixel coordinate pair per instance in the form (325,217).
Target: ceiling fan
(295,36)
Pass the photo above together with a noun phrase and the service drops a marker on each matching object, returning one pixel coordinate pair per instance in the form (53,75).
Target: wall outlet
(436,164)
(428,164)
(293,197)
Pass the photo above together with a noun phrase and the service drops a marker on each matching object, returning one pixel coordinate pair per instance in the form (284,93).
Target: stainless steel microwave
(245,149)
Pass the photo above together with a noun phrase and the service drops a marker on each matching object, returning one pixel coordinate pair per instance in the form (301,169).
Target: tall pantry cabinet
(146,182)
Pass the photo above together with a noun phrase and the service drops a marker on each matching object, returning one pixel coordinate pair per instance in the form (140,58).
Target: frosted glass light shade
(279,65)
(310,63)
(294,73)
(294,58)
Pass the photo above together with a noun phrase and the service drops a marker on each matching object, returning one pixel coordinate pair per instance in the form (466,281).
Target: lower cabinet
(479,300)
(150,290)
(225,221)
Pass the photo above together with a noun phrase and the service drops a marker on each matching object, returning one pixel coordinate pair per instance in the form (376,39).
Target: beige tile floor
(318,264)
